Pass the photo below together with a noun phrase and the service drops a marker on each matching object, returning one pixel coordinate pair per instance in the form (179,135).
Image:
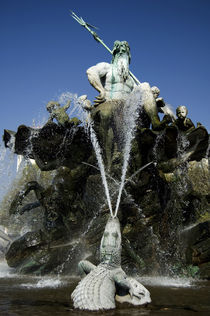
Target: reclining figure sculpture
(107,282)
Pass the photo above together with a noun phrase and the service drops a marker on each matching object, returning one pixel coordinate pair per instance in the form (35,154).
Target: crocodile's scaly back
(96,291)
(98,288)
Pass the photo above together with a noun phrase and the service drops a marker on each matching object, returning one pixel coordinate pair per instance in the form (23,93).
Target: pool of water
(41,296)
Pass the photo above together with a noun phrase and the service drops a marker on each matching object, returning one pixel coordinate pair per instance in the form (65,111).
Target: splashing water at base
(167,281)
(52,282)
(5,270)
(8,170)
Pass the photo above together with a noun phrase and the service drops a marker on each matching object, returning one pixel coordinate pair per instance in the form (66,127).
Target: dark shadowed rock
(196,244)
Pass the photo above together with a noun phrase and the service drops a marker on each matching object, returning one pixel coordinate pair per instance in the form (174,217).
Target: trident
(89,27)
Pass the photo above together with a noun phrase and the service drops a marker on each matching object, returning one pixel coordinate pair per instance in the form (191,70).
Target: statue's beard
(123,66)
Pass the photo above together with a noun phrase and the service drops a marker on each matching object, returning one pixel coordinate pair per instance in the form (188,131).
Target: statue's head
(121,48)
(110,249)
(155,91)
(181,112)
(52,105)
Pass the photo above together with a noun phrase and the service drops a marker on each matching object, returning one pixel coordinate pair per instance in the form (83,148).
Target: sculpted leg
(17,202)
(29,206)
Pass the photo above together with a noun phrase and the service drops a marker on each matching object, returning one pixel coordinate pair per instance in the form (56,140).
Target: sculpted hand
(100,98)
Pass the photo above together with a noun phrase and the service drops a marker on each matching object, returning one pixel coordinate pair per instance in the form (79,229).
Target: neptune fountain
(116,165)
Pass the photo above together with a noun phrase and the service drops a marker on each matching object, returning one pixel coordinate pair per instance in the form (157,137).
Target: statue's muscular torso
(107,80)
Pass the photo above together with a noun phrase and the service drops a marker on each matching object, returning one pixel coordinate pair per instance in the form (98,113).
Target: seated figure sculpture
(183,123)
(162,108)
(184,141)
(59,113)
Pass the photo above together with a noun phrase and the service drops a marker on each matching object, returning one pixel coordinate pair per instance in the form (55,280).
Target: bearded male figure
(118,95)
(115,83)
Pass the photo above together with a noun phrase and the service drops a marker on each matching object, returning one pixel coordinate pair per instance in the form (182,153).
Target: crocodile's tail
(94,292)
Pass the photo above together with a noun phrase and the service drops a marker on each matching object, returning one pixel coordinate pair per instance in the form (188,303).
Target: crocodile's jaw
(110,249)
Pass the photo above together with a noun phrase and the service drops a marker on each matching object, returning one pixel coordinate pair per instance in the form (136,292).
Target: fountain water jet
(133,105)
(97,149)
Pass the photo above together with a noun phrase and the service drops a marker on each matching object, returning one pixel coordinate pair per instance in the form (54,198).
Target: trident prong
(97,38)
(81,21)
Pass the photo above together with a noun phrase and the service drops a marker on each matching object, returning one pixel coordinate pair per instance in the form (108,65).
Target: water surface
(41,296)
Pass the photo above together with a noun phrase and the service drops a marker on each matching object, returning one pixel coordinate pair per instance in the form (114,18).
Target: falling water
(107,175)
(181,171)
(159,145)
(75,243)
(139,170)
(97,149)
(7,169)
(132,109)
(168,110)
(88,125)
(65,97)
(77,108)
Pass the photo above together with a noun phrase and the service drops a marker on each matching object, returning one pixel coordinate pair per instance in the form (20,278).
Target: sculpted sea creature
(107,282)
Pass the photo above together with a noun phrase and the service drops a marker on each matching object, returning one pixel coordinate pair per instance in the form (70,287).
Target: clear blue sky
(44,52)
